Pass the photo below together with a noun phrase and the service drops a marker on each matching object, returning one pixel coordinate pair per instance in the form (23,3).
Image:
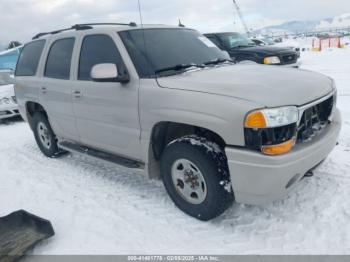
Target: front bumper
(259,179)
(9,110)
(294,65)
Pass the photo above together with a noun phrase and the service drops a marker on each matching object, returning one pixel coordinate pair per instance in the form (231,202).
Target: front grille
(314,120)
(289,59)
(2,113)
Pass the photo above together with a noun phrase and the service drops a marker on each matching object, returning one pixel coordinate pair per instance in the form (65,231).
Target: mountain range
(340,21)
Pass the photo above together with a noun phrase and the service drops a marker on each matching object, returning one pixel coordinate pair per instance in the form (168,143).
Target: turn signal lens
(255,120)
(278,149)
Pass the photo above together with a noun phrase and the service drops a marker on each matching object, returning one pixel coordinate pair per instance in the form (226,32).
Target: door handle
(77,94)
(43,90)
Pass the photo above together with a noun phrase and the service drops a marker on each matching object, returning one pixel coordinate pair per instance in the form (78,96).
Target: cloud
(21,19)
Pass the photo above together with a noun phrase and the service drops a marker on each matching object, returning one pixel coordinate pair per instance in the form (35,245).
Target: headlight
(272,117)
(272,60)
(6,100)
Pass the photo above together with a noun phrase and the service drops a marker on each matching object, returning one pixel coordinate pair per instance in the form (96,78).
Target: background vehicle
(269,41)
(8,58)
(8,102)
(178,109)
(241,48)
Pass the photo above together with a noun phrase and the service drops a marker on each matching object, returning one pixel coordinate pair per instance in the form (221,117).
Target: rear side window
(97,49)
(59,59)
(29,59)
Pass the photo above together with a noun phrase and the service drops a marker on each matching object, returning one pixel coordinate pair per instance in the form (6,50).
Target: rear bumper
(259,179)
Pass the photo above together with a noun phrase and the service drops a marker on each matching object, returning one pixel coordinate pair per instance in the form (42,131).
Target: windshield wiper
(178,67)
(218,61)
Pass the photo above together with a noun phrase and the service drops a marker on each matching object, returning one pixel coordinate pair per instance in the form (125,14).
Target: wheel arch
(164,132)
(31,108)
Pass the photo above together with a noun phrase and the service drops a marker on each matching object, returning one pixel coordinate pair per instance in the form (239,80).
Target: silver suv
(167,101)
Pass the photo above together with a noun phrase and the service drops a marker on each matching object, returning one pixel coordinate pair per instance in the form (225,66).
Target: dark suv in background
(242,49)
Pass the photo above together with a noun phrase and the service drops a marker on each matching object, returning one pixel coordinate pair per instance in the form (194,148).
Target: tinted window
(29,58)
(214,40)
(234,40)
(154,49)
(97,49)
(59,59)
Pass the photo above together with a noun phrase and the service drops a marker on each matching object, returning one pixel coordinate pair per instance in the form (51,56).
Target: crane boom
(241,17)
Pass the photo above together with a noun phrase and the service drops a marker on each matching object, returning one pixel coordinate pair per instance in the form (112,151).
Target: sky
(22,19)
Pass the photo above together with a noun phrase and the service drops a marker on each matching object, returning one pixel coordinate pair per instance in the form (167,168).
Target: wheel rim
(189,181)
(44,135)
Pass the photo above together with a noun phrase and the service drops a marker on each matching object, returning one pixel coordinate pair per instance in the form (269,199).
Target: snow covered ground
(99,209)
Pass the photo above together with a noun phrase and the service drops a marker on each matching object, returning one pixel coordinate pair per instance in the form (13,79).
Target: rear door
(55,92)
(106,112)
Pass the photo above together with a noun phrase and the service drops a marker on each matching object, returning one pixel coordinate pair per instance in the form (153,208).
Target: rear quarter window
(29,58)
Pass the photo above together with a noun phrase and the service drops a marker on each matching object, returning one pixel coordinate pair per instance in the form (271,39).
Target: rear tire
(195,175)
(44,135)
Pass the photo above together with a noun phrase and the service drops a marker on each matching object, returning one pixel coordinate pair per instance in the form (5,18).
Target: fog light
(278,149)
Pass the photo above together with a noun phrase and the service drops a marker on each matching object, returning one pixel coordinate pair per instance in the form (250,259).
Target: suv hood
(269,86)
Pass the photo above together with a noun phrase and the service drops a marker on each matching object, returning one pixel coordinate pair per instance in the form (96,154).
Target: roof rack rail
(80,27)
(133,24)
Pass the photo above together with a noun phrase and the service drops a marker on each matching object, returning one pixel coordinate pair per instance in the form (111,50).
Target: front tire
(195,175)
(44,135)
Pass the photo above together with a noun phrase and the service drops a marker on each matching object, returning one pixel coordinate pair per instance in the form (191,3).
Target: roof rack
(81,27)
(133,24)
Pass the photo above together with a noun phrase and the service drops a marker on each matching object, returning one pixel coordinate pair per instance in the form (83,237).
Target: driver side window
(97,49)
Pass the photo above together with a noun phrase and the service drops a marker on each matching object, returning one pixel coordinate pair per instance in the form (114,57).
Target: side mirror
(107,73)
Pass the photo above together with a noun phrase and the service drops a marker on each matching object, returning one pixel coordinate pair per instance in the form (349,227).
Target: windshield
(269,41)
(153,50)
(234,40)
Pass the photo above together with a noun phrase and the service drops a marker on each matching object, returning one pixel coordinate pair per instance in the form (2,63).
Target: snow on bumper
(259,179)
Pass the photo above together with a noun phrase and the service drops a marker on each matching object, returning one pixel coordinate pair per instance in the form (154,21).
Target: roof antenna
(180,24)
(143,31)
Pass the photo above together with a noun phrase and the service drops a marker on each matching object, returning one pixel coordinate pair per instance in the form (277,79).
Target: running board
(96,154)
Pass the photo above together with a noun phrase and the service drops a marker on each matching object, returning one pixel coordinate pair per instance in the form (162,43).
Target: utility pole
(241,17)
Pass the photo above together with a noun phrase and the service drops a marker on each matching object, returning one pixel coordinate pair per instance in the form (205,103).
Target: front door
(106,112)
